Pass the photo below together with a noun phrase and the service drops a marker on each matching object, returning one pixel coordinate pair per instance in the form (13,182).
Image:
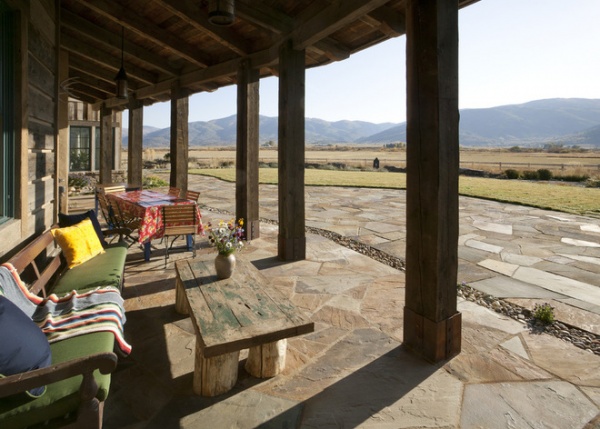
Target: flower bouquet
(226,236)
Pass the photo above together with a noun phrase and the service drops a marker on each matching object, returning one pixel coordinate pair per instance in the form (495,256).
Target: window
(80,149)
(7,118)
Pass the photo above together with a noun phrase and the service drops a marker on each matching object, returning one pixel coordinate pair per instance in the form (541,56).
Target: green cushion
(102,270)
(61,397)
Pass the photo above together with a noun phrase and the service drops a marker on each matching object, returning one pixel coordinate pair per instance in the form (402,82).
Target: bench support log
(215,375)
(267,360)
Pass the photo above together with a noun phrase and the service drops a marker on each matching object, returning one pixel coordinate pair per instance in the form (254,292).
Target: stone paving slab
(548,404)
(506,287)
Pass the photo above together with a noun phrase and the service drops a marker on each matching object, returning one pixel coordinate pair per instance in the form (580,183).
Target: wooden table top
(237,313)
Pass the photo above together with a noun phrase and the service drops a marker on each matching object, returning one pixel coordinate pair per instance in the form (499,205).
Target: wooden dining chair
(192,195)
(113,189)
(179,219)
(116,219)
(174,191)
(106,210)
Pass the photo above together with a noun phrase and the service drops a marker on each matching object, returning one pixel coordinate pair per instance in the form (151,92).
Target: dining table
(147,206)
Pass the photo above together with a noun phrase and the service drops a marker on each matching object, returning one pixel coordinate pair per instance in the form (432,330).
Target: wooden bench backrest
(27,257)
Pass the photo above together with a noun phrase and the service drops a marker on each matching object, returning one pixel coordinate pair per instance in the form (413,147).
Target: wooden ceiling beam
(390,22)
(84,90)
(148,30)
(280,23)
(331,49)
(93,82)
(84,66)
(112,40)
(190,13)
(82,96)
(331,19)
(265,58)
(264,16)
(103,58)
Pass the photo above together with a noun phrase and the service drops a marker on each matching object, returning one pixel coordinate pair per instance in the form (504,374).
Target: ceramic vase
(224,264)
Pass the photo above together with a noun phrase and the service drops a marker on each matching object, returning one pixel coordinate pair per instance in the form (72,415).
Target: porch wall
(36,101)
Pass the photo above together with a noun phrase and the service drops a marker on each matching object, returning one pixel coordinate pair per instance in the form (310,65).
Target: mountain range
(568,121)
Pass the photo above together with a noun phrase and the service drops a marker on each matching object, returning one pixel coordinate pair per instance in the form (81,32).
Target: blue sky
(511,52)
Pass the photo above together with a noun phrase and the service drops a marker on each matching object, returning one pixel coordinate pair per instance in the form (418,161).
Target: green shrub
(544,174)
(154,182)
(572,177)
(79,180)
(530,175)
(511,174)
(544,313)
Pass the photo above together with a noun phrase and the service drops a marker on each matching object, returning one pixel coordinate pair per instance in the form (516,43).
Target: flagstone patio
(353,371)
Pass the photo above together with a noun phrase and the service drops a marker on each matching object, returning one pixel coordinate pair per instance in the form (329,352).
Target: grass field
(545,195)
(492,160)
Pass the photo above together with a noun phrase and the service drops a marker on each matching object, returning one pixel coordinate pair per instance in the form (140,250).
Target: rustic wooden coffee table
(242,312)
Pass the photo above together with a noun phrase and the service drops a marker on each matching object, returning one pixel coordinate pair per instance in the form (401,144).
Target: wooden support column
(106,145)
(246,180)
(292,237)
(135,148)
(432,325)
(62,158)
(179,140)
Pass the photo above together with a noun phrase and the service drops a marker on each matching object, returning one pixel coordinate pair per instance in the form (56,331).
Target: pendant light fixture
(221,12)
(121,77)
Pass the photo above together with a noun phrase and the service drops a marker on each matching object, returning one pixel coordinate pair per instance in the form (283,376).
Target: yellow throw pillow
(79,242)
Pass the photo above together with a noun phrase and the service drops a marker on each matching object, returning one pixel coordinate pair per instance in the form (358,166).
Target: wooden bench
(79,378)
(241,312)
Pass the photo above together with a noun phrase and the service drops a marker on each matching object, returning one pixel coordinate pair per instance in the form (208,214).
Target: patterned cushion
(79,242)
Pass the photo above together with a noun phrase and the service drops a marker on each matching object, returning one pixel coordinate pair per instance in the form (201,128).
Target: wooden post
(267,360)
(106,145)
(292,237)
(62,158)
(432,325)
(246,181)
(179,140)
(135,146)
(215,375)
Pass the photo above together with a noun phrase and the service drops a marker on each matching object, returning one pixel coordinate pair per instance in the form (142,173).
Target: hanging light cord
(122,43)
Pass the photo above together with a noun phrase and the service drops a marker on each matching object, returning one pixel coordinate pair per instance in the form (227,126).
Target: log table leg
(181,303)
(267,360)
(215,375)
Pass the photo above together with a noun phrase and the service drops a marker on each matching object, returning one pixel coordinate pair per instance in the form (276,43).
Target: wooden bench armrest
(105,362)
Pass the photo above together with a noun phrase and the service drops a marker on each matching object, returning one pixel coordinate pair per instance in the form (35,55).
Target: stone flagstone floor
(352,371)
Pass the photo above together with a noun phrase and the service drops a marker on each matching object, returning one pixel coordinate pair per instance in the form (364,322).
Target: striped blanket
(70,315)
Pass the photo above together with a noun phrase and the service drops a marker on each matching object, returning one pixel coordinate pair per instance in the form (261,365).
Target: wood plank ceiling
(172,42)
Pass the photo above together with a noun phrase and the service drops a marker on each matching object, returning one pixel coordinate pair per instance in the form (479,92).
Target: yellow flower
(241,222)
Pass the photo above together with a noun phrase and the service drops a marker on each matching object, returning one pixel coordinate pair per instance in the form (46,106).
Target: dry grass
(551,196)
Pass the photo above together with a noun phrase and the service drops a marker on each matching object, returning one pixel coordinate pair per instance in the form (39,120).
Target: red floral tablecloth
(147,205)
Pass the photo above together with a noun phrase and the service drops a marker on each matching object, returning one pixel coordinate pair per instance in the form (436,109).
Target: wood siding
(35,151)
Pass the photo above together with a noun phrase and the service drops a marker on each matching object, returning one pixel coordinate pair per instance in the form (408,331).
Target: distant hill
(222,132)
(570,121)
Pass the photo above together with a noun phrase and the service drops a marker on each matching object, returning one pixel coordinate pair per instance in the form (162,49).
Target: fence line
(463,164)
